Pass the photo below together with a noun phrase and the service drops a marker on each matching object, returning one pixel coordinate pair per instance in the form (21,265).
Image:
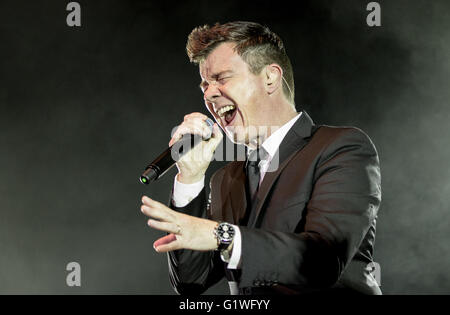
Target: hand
(186,232)
(193,165)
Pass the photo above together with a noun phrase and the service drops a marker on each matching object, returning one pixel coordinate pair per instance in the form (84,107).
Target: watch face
(225,232)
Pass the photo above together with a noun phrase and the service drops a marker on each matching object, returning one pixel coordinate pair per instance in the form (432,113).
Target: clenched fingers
(193,123)
(195,128)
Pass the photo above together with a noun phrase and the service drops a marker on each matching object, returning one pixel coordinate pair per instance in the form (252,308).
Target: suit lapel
(293,142)
(237,193)
(228,201)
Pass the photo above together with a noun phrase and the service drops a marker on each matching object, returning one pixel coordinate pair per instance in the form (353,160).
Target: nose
(211,93)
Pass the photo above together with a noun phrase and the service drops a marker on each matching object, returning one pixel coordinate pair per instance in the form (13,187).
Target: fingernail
(145,197)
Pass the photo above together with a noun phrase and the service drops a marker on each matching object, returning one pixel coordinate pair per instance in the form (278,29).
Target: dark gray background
(83,110)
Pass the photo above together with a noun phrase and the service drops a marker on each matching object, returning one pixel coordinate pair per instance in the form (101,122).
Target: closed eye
(223,80)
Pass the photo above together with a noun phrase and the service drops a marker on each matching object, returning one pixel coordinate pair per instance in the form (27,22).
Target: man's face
(232,94)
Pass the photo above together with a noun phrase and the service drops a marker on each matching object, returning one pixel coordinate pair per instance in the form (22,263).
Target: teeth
(225,109)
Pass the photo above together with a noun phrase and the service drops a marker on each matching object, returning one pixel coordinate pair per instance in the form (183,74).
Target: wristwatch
(224,233)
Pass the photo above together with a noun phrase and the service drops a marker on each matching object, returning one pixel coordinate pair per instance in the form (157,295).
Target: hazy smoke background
(83,110)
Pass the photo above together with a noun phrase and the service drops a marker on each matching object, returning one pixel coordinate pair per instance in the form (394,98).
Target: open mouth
(228,113)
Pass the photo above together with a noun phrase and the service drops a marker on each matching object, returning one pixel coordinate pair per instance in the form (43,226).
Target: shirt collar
(272,143)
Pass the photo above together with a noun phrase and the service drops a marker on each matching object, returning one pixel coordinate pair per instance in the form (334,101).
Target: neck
(276,121)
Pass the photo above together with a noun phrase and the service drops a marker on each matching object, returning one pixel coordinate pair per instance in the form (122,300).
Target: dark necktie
(253,178)
(253,171)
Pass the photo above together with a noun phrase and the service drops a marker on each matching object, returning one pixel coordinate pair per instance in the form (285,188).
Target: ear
(273,75)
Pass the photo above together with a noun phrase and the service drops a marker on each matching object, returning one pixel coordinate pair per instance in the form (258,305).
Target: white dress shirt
(183,194)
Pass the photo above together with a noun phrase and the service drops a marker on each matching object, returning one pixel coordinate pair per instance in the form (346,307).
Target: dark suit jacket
(313,228)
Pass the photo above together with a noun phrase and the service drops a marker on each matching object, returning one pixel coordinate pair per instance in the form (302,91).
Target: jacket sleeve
(193,272)
(344,202)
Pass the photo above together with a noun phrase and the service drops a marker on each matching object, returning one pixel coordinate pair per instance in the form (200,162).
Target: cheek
(253,98)
(247,94)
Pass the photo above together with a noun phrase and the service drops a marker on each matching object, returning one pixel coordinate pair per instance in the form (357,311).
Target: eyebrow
(215,75)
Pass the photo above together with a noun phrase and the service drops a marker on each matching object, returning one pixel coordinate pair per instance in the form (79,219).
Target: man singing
(299,215)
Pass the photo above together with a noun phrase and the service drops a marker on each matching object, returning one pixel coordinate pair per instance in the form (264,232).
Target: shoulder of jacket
(333,133)
(334,138)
